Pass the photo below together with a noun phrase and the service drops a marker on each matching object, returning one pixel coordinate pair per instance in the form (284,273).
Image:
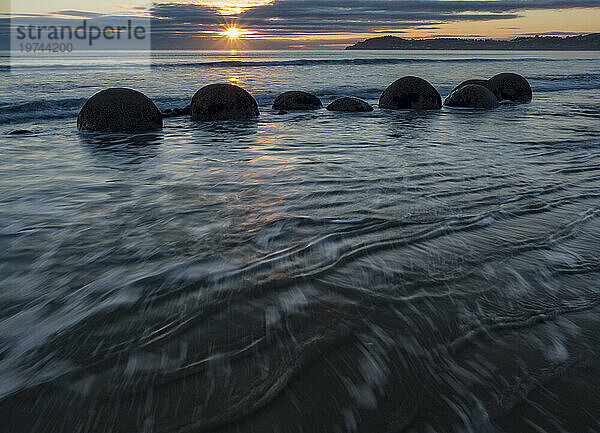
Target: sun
(233,33)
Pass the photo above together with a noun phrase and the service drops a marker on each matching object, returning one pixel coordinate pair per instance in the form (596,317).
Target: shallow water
(311,272)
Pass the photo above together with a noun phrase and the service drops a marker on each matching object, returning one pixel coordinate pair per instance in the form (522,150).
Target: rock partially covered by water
(484,83)
(176,112)
(223,102)
(512,87)
(350,104)
(20,132)
(410,93)
(472,96)
(119,110)
(296,100)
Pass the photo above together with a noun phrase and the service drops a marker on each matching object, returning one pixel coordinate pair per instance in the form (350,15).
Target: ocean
(434,271)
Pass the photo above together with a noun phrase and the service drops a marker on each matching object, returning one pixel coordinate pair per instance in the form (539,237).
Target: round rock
(410,93)
(223,102)
(513,87)
(484,83)
(296,100)
(20,132)
(350,104)
(472,96)
(119,110)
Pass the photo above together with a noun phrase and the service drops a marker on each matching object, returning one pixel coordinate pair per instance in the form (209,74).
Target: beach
(418,271)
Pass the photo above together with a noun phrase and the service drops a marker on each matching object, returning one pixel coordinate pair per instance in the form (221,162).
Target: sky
(280,24)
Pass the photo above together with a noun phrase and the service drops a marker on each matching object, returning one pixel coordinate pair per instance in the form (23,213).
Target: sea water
(432,271)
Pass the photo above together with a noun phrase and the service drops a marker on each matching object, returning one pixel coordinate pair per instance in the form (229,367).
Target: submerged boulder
(119,110)
(512,87)
(297,100)
(410,93)
(484,83)
(472,96)
(223,102)
(176,112)
(350,104)
(20,132)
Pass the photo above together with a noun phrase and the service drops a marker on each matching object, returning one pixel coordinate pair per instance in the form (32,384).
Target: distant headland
(589,42)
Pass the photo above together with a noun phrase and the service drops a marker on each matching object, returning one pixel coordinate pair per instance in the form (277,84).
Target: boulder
(20,132)
(410,93)
(484,83)
(176,112)
(472,96)
(119,110)
(513,87)
(350,104)
(296,100)
(223,102)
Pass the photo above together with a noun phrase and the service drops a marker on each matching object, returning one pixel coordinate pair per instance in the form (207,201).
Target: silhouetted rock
(20,132)
(472,96)
(119,110)
(223,102)
(296,100)
(410,93)
(349,104)
(484,83)
(176,112)
(281,113)
(513,87)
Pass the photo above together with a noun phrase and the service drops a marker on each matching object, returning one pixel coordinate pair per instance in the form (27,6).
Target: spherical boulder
(296,100)
(513,87)
(472,96)
(350,104)
(484,83)
(223,102)
(410,93)
(119,110)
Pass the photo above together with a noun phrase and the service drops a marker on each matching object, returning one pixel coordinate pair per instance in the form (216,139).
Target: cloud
(291,18)
(185,24)
(78,14)
(553,34)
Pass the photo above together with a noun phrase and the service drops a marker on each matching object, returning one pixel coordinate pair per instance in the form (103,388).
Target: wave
(571,77)
(40,109)
(158,63)
(323,62)
(559,83)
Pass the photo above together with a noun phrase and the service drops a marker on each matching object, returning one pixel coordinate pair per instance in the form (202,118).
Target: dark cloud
(554,34)
(188,25)
(79,14)
(287,18)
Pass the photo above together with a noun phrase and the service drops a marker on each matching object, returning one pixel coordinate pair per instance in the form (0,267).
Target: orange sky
(334,31)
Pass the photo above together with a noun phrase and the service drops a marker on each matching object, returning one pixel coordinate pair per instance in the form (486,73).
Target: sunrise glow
(227,7)
(293,24)
(233,33)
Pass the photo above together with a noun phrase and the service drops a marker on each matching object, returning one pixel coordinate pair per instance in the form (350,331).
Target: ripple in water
(385,272)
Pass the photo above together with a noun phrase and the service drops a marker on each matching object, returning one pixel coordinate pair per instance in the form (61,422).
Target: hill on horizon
(589,42)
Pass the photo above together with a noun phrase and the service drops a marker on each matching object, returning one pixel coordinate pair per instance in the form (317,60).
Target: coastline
(590,42)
